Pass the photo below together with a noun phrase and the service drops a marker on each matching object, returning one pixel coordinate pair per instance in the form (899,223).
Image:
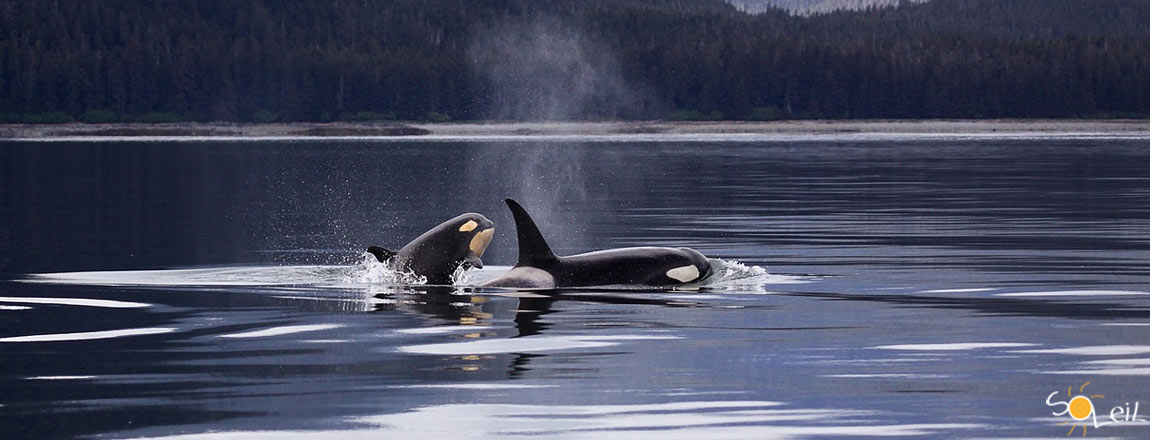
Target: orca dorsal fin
(533,249)
(381,254)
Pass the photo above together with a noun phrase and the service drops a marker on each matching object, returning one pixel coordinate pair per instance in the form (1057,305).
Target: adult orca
(437,253)
(539,267)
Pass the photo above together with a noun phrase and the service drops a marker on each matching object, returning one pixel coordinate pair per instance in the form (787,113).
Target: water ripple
(106,303)
(678,420)
(279,331)
(85,336)
(533,344)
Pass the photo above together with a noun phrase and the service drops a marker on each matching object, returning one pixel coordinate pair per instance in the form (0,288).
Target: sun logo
(1079,408)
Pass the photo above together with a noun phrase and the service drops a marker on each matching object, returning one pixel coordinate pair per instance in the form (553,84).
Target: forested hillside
(808,7)
(297,60)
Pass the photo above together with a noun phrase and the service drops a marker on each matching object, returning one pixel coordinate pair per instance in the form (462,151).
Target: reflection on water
(279,331)
(533,344)
(73,302)
(680,420)
(88,335)
(892,287)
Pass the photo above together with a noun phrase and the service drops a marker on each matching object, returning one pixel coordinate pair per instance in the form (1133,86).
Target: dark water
(939,288)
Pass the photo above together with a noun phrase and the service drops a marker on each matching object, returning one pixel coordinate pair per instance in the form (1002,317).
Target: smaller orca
(539,267)
(437,253)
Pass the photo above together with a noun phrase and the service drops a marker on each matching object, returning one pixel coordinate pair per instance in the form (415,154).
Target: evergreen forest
(442,60)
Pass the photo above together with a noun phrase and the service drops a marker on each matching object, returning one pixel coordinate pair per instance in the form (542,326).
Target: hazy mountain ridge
(807,7)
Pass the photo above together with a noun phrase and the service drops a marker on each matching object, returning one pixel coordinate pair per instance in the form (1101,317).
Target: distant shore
(559,129)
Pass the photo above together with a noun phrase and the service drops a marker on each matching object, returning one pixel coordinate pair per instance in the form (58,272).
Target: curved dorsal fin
(533,249)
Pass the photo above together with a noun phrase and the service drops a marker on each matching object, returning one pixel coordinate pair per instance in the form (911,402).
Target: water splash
(732,276)
(372,271)
(366,271)
(463,277)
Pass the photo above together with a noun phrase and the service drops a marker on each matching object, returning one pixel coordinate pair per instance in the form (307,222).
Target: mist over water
(545,69)
(557,184)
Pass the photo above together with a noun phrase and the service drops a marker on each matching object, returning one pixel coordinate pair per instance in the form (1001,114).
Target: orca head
(439,252)
(476,231)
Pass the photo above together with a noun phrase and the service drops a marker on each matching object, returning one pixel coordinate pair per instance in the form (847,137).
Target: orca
(440,251)
(540,268)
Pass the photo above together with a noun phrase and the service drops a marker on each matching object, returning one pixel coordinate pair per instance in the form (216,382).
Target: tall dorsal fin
(533,249)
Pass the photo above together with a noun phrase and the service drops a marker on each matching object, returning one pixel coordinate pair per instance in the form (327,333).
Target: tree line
(307,60)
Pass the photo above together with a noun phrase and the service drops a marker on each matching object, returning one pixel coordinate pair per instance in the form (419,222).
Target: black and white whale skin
(540,268)
(437,253)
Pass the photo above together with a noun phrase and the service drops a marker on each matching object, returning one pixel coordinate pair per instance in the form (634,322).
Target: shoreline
(528,130)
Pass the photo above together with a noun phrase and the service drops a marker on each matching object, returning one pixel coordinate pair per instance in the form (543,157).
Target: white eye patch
(684,274)
(469,226)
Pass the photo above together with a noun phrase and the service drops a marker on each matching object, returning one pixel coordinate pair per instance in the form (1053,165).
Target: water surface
(934,287)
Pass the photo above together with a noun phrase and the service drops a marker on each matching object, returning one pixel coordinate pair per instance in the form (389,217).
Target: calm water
(934,288)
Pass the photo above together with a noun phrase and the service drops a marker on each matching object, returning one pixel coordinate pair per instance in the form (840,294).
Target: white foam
(463,276)
(107,303)
(1097,350)
(733,275)
(1127,324)
(285,330)
(1075,293)
(84,336)
(530,344)
(371,271)
(2,307)
(959,346)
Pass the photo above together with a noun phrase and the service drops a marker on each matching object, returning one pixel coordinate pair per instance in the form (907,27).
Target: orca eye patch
(469,226)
